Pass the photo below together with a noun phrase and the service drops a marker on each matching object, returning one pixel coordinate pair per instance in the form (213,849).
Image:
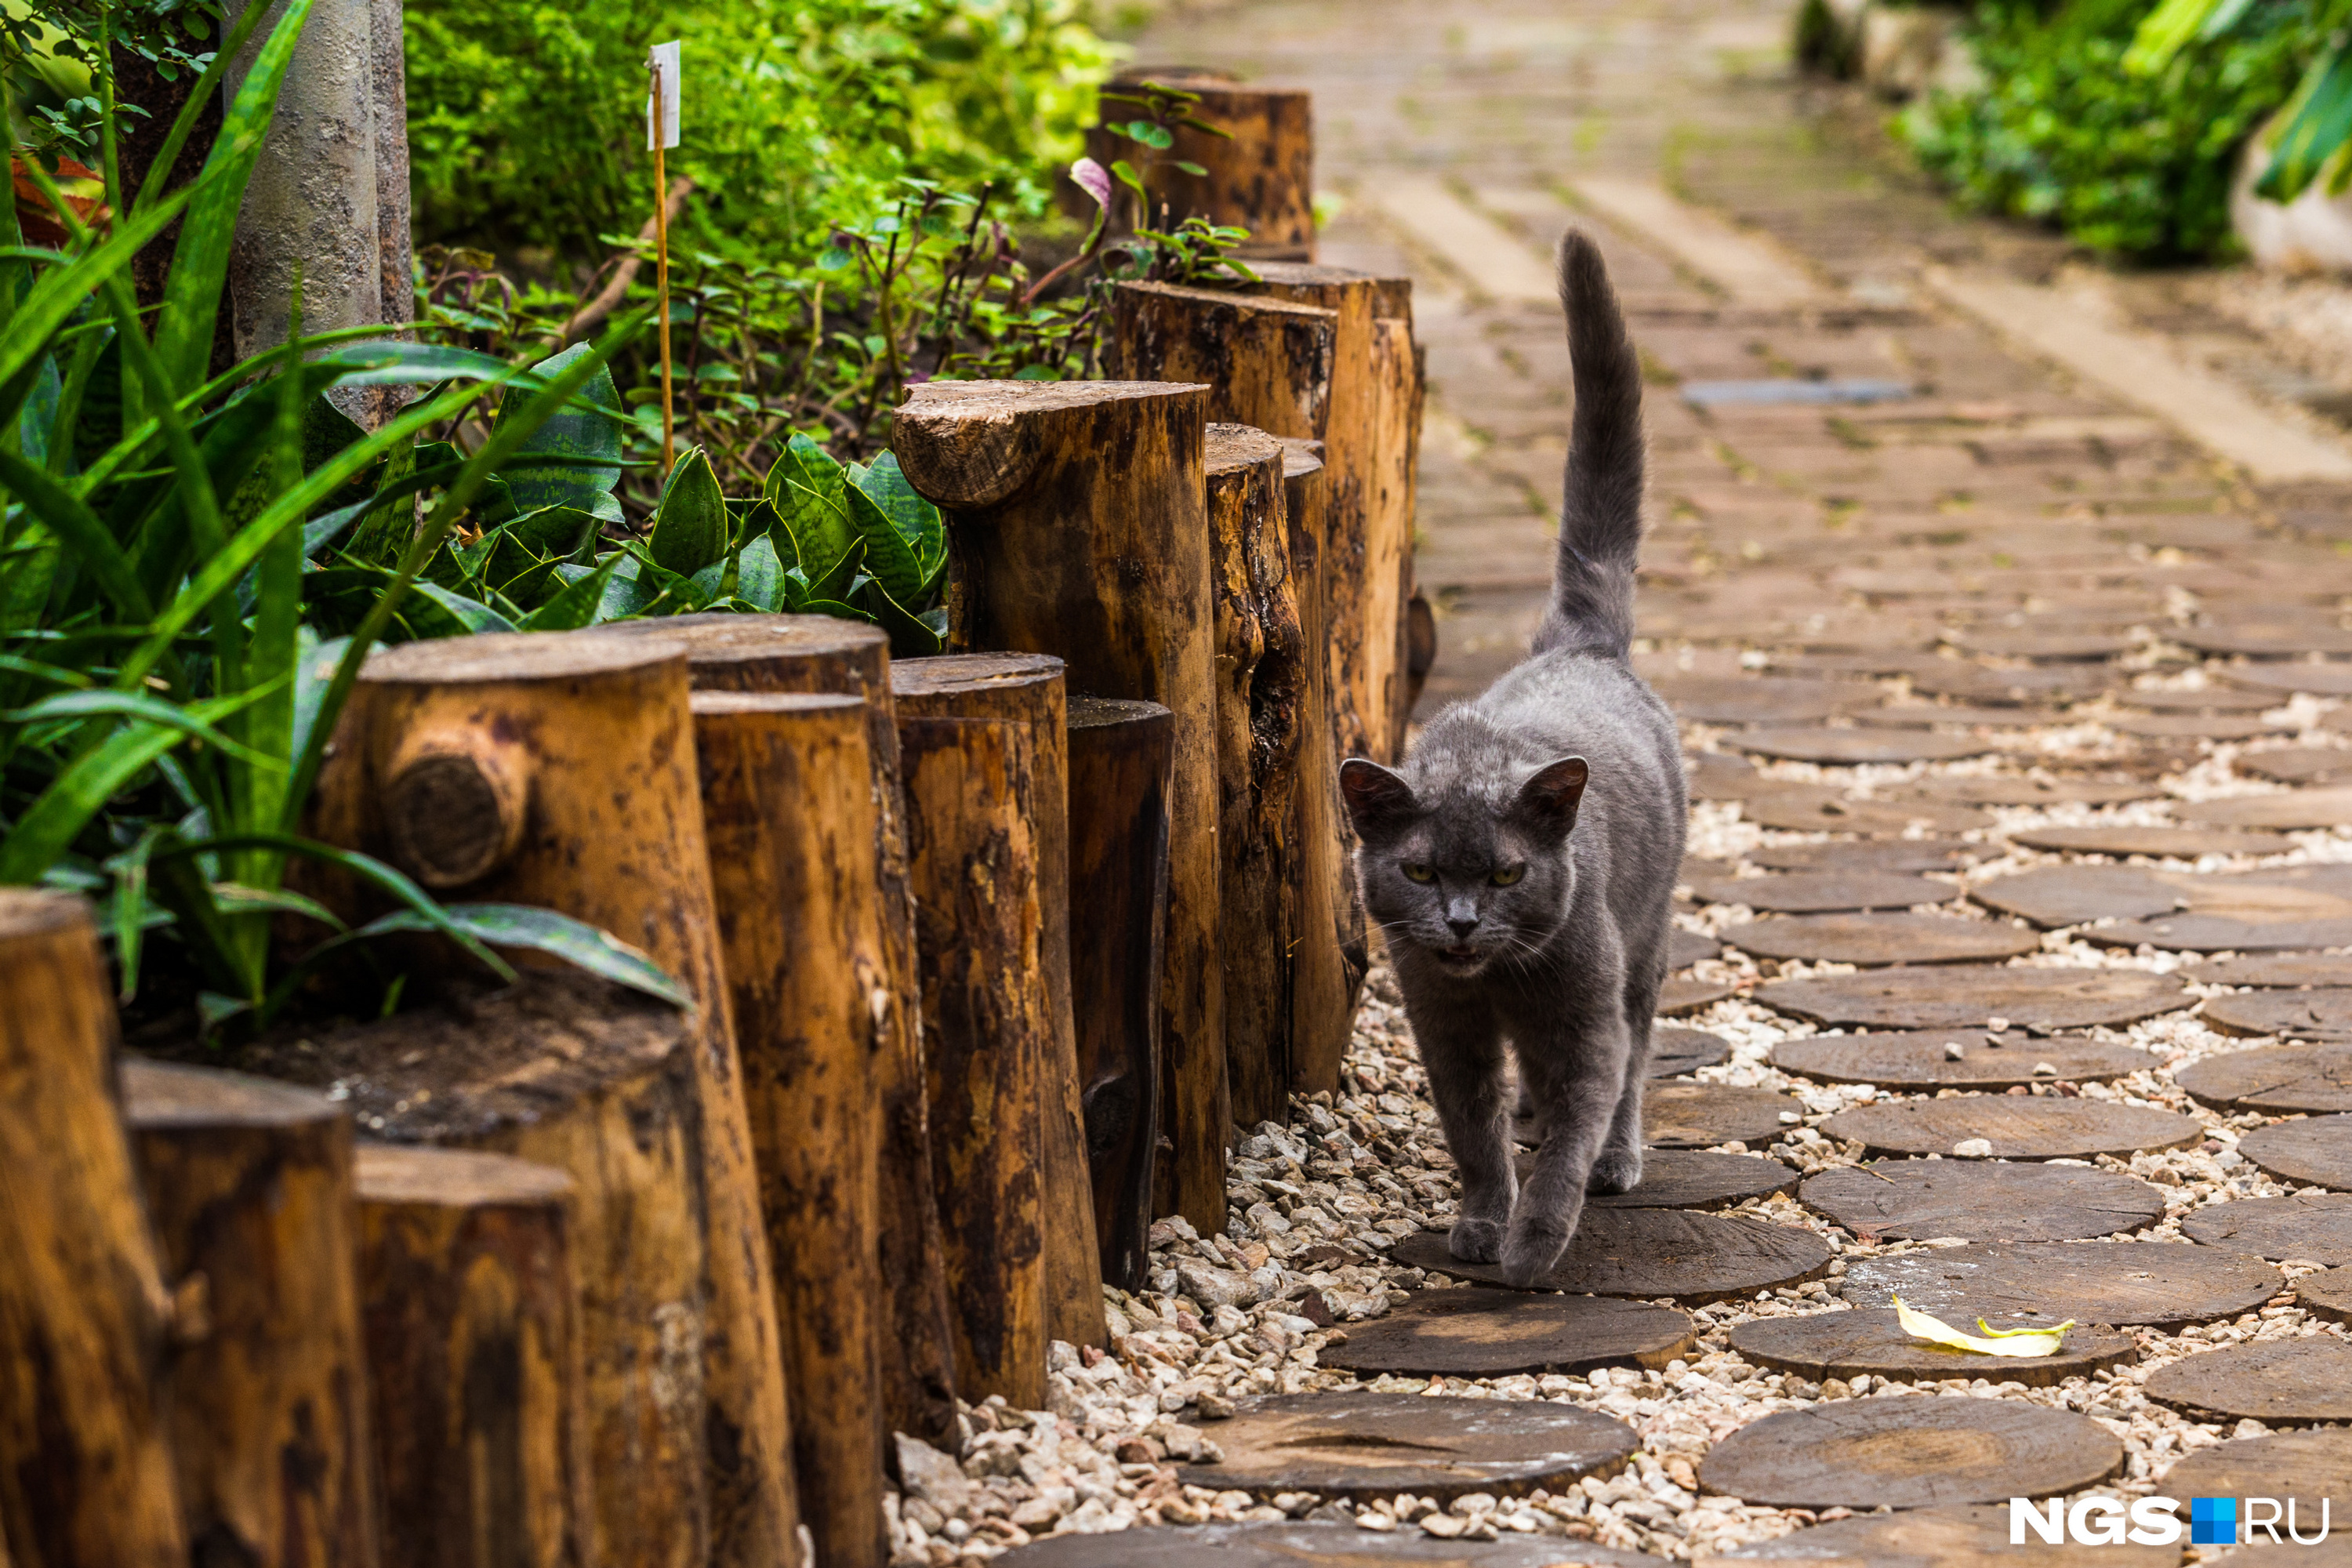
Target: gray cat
(1522,859)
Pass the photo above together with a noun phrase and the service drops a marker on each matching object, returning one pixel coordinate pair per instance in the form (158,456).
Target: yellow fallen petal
(2023,1342)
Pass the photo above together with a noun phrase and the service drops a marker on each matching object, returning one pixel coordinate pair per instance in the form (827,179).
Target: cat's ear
(1376,797)
(1549,799)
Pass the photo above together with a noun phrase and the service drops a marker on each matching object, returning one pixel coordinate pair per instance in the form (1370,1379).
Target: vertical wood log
(972,788)
(1121,754)
(1396,492)
(579,748)
(572,1073)
(788,805)
(1261,710)
(86,1472)
(473,1338)
(1077,527)
(1027,690)
(1261,176)
(249,1182)
(821,654)
(1267,363)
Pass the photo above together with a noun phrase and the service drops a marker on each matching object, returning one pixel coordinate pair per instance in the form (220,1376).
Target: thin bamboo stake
(661,262)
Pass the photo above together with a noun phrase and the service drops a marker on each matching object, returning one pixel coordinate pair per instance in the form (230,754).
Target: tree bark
(1260,177)
(472,1317)
(86,1471)
(972,801)
(820,654)
(579,748)
(1267,362)
(1121,754)
(1396,484)
(1077,527)
(1261,710)
(789,808)
(249,1182)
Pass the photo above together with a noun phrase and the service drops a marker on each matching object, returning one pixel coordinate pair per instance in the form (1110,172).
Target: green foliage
(2133,157)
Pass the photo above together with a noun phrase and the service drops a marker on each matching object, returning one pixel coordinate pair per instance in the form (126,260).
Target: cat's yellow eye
(1504,877)
(1417,872)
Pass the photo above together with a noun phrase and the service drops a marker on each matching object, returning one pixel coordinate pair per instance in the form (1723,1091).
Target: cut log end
(1229,448)
(452,1178)
(166,1096)
(27,912)
(514,657)
(949,684)
(455,817)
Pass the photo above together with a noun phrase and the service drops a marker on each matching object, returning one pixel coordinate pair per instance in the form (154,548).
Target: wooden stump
(1267,362)
(817,655)
(249,1182)
(1026,689)
(599,1083)
(86,1472)
(1120,756)
(1056,547)
(472,1315)
(788,810)
(584,744)
(1398,397)
(1259,177)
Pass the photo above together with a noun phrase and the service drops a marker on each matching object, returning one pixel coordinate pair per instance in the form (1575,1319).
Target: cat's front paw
(1531,1252)
(1475,1240)
(1615,1171)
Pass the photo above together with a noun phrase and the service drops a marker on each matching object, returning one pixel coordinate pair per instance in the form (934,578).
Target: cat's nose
(1461,927)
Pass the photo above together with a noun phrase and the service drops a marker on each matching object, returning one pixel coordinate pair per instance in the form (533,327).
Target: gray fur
(1568,771)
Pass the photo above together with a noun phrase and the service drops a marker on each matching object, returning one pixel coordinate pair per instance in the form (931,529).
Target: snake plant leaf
(911,636)
(471,615)
(917,520)
(2318,122)
(759,575)
(889,558)
(806,490)
(1995,1342)
(577,601)
(581,429)
(692,528)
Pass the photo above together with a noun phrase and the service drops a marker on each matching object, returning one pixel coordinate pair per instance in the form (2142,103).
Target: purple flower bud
(1094,179)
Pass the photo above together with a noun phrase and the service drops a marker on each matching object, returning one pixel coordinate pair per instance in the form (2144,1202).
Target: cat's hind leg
(1472,1088)
(1619,1168)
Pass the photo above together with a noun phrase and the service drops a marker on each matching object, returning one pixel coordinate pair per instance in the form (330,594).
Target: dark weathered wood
(1378,1445)
(1921,1061)
(1684,948)
(2289,812)
(1056,549)
(1910,1452)
(610,834)
(2327,1295)
(2018,1127)
(249,1183)
(825,654)
(479,1394)
(1399,393)
(2316,1150)
(86,1472)
(1881,857)
(2300,1465)
(2284,1079)
(2186,843)
(1478,1333)
(2281,1382)
(1266,362)
(1259,177)
(2052,647)
(2013,687)
(1757,700)
(1651,1254)
(2057,896)
(1682,996)
(1959,1536)
(2311,1227)
(1120,753)
(1822,1345)
(2224,934)
(2288,971)
(2297,764)
(1292,1542)
(2010,789)
(789,813)
(1818,892)
(1971,998)
(1701,1115)
(1920,1200)
(1691,1179)
(1674,1051)
(2016,1285)
(2324,1013)
(1807,809)
(1870,941)
(1847,747)
(2193,726)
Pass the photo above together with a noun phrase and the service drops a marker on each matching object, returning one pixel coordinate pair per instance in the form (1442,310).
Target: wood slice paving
(1975,1536)
(1674,1051)
(1481,1332)
(2286,679)
(1296,1542)
(2297,764)
(1910,1452)
(1887,858)
(2310,1227)
(2056,896)
(2055,647)
(1653,1254)
(1850,747)
(1947,716)
(1681,995)
(2283,1080)
(2223,933)
(2206,699)
(2286,1465)
(1821,892)
(1968,998)
(2015,1285)
(1378,1445)
(2324,1013)
(2183,843)
(2327,1294)
(2316,1150)
(2288,969)
(2016,1127)
(2018,790)
(1821,811)
(2287,639)
(1921,1200)
(1690,1179)
(2279,1382)
(1757,700)
(1719,775)
(2013,687)
(2291,811)
(1702,1115)
(1870,1342)
(1920,1061)
(1684,948)
(1870,941)
(2192,726)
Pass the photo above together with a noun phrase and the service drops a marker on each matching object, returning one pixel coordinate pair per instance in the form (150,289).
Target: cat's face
(1470,879)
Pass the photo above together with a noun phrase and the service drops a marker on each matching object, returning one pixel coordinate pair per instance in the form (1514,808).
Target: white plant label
(662,61)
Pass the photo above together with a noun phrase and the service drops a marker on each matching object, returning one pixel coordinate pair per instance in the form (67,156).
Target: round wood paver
(2056,648)
(2222,933)
(1757,700)
(1947,716)
(2018,1127)
(2265,639)
(1885,857)
(2280,1079)
(2297,764)
(1674,1051)
(1961,998)
(1684,948)
(1869,1341)
(2055,896)
(2319,679)
(2316,1150)
(2186,843)
(1299,1544)
(1718,776)
(1481,1332)
(1874,939)
(1680,997)
(2037,1284)
(1378,1445)
(1982,1200)
(2306,1465)
(1920,1061)
(1823,892)
(1690,1179)
(1910,1452)
(1974,1536)
(2286,969)
(1816,811)
(2289,811)
(2327,1295)
(1702,1115)
(1849,747)
(1653,1254)
(2281,1383)
(1975,683)
(2192,726)
(2310,1227)
(2324,1013)
(2012,790)
(2208,699)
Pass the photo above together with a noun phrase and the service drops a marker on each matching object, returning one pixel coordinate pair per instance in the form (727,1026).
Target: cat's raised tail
(1600,512)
